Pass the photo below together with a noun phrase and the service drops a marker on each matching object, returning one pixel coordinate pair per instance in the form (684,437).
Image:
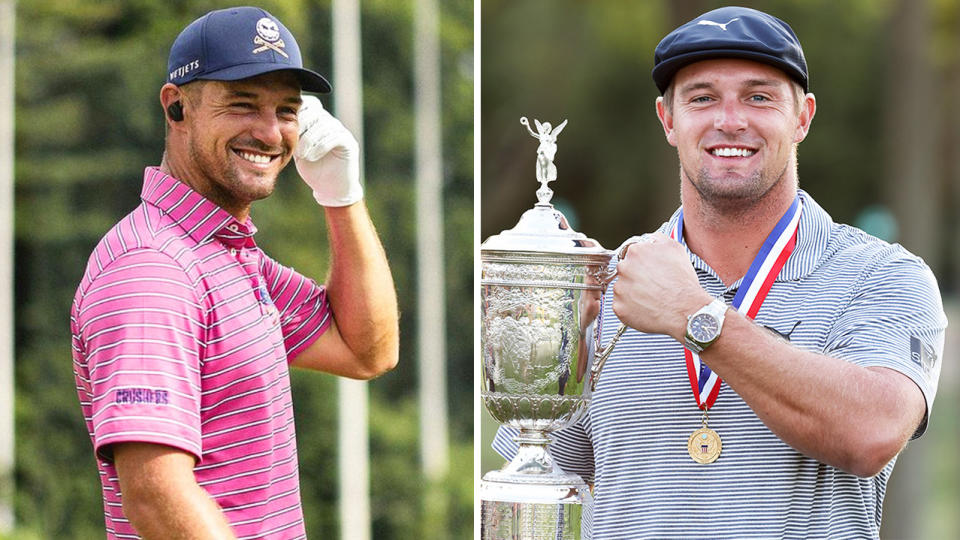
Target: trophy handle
(605,276)
(602,354)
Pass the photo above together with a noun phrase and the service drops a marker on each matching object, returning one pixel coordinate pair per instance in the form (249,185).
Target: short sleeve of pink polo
(304,310)
(143,329)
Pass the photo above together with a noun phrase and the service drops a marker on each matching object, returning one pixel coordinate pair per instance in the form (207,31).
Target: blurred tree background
(881,154)
(88,120)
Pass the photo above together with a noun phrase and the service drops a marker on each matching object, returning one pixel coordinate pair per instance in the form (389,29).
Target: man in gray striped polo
(775,362)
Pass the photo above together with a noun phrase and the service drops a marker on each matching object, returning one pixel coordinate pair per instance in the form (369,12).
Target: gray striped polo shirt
(855,298)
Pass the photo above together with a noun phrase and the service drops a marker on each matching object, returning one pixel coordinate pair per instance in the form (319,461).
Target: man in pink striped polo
(184,330)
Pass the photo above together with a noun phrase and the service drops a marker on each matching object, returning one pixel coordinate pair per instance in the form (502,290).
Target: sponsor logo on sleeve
(137,396)
(923,355)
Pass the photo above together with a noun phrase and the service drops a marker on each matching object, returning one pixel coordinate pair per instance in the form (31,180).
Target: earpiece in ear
(175,110)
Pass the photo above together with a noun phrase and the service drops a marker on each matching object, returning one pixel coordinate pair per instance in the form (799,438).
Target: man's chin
(260,194)
(729,189)
(254,187)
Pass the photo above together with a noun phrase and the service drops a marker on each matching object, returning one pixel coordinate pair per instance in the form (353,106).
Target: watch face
(703,327)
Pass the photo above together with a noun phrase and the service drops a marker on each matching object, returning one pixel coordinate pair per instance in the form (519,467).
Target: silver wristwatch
(703,327)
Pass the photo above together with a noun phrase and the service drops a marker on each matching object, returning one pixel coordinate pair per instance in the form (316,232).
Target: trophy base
(540,508)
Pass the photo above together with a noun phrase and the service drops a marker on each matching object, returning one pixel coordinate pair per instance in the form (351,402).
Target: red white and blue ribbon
(753,290)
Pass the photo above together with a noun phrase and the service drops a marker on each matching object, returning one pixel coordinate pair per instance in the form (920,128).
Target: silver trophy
(541,288)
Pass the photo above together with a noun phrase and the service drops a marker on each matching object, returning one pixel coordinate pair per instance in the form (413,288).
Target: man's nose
(267,129)
(730,117)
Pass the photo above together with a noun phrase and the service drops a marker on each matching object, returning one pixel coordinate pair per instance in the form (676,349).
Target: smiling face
(735,124)
(236,137)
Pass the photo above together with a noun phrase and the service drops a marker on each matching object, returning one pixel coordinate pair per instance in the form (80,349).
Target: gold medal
(704,444)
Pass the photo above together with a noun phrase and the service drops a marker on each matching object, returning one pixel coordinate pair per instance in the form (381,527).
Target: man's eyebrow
(296,100)
(761,82)
(242,94)
(695,86)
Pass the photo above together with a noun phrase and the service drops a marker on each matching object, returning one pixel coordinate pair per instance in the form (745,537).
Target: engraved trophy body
(541,288)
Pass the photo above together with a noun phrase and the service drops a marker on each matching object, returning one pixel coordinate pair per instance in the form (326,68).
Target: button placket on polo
(242,248)
(267,307)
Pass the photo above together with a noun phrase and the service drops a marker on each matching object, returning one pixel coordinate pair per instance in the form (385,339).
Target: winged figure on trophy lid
(546,170)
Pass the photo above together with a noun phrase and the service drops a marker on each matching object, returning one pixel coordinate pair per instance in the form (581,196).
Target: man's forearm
(361,290)
(848,416)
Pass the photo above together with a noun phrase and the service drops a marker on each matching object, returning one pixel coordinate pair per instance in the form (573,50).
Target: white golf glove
(327,156)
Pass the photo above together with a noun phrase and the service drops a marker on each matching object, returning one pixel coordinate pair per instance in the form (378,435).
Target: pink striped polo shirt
(182,333)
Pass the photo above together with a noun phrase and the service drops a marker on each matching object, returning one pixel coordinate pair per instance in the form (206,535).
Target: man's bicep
(147,467)
(161,497)
(910,397)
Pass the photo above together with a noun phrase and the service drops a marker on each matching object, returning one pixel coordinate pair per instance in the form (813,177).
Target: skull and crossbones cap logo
(238,43)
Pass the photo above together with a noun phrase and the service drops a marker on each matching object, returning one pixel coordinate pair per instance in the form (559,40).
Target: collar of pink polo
(195,214)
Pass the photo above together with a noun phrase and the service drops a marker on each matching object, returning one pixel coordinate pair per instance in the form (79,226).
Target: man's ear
(808,107)
(171,99)
(666,120)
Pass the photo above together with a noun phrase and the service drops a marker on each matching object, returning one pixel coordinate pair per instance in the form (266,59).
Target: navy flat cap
(730,32)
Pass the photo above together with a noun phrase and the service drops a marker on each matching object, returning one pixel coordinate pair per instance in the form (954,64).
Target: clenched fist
(656,286)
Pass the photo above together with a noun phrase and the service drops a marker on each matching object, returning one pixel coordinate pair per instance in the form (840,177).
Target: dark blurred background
(88,120)
(881,154)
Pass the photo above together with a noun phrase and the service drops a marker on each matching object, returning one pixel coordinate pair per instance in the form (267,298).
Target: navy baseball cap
(730,32)
(238,43)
